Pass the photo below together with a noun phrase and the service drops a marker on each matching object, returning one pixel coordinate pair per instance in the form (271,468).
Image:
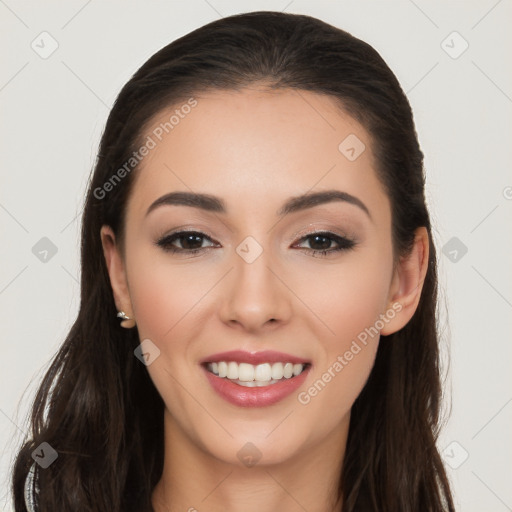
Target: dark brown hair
(97,406)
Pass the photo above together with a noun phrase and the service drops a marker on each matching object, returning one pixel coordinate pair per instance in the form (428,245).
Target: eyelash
(344,244)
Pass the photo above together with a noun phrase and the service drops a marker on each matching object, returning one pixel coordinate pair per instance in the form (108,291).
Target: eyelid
(343,244)
(296,237)
(185,229)
(328,230)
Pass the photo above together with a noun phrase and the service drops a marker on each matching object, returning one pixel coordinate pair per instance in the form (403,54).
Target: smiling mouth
(248,375)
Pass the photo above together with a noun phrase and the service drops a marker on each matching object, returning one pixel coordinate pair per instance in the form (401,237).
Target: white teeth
(277,371)
(223,369)
(245,372)
(255,375)
(297,369)
(255,383)
(288,370)
(232,370)
(263,372)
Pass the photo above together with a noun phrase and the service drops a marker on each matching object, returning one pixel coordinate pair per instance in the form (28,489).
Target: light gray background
(53,113)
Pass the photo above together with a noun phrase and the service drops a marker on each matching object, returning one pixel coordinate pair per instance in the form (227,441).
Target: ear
(116,271)
(407,283)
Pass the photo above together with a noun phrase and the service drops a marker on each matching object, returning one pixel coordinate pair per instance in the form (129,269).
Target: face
(254,268)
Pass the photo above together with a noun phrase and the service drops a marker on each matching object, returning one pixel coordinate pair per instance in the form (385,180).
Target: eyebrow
(294,204)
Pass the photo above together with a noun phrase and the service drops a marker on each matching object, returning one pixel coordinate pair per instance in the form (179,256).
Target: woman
(257,220)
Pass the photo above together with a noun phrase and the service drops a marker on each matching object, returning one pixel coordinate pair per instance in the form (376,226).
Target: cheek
(172,306)
(351,306)
(350,297)
(164,295)
(167,300)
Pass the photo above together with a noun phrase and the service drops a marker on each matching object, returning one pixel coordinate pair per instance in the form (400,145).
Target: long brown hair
(97,406)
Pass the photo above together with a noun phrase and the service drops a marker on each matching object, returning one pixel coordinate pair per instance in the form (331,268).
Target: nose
(255,297)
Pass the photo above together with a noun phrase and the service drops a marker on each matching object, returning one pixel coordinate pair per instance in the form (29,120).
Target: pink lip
(241,356)
(243,396)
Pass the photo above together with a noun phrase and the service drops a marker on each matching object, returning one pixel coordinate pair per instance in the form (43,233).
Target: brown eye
(188,242)
(321,243)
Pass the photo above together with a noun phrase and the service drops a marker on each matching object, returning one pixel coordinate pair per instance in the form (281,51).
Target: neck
(193,480)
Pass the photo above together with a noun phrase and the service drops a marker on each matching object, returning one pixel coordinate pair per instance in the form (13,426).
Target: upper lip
(254,358)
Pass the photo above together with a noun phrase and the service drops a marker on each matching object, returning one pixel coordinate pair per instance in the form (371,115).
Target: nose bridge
(254,295)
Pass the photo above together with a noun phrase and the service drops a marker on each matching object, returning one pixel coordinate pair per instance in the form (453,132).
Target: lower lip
(243,396)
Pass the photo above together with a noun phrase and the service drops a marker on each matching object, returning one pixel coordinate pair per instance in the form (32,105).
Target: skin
(255,149)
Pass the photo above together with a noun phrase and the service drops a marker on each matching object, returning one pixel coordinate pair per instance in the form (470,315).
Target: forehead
(257,144)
